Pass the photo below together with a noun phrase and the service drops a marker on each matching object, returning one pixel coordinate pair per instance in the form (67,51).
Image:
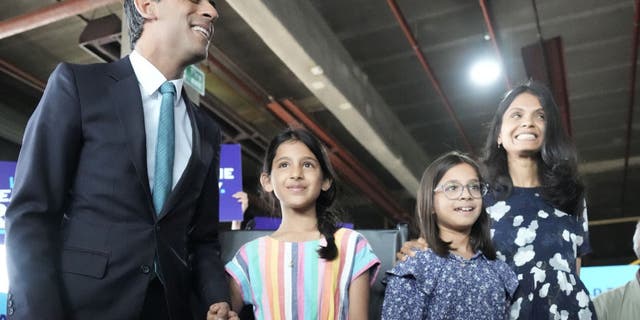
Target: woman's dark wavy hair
(327,219)
(427,220)
(557,159)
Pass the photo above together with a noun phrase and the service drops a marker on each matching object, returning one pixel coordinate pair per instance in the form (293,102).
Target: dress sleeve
(507,276)
(364,260)
(583,247)
(403,299)
(238,269)
(408,286)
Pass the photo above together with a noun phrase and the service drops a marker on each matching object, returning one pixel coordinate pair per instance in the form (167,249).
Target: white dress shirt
(150,79)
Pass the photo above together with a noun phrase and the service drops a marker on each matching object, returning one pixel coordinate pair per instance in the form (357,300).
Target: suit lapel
(125,95)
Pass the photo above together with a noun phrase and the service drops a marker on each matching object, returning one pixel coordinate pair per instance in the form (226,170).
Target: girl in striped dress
(308,268)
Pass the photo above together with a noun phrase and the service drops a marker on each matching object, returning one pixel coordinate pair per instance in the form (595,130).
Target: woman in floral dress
(536,205)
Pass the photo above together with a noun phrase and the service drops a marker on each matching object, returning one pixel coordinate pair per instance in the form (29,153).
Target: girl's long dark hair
(427,220)
(327,219)
(557,159)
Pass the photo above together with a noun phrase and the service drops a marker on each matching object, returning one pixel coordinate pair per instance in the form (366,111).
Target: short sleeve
(364,259)
(403,299)
(423,267)
(237,268)
(409,284)
(507,276)
(583,247)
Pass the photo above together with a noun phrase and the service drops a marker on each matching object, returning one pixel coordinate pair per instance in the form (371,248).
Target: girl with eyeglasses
(536,206)
(458,277)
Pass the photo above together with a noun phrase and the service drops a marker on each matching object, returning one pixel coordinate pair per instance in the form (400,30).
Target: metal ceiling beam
(427,68)
(352,172)
(49,14)
(603,222)
(241,83)
(366,180)
(632,95)
(21,76)
(302,39)
(494,41)
(345,163)
(612,165)
(12,124)
(544,62)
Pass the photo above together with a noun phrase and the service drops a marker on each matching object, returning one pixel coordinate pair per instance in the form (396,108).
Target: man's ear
(326,184)
(146,8)
(265,181)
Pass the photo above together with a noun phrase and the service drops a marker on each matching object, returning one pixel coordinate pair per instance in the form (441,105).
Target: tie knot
(167,87)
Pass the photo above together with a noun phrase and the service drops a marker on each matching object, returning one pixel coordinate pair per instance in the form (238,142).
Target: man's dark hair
(135,21)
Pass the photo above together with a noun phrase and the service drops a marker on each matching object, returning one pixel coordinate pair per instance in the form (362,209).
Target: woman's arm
(578,265)
(359,297)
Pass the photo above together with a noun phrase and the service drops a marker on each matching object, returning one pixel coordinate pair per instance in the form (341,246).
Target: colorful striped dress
(289,280)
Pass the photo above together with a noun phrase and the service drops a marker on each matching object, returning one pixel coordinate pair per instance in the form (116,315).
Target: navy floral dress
(541,243)
(429,286)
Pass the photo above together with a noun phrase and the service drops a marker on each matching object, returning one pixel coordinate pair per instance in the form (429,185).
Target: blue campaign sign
(272,223)
(7,172)
(230,181)
(600,279)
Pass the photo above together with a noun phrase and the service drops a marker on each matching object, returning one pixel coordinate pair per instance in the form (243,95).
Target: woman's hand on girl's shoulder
(410,247)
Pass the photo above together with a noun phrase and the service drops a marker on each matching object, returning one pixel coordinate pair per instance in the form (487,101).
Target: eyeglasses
(453,190)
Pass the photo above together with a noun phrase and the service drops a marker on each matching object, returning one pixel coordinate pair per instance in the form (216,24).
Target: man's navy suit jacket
(81,231)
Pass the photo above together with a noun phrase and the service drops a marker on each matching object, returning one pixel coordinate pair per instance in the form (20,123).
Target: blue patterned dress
(541,243)
(432,287)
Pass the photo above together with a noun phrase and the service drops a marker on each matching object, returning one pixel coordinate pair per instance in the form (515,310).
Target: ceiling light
(345,106)
(317,70)
(317,85)
(484,72)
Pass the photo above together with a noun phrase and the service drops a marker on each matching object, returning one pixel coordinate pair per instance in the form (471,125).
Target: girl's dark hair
(480,238)
(557,159)
(327,219)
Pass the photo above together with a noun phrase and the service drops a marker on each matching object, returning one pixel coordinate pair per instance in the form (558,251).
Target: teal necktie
(163,174)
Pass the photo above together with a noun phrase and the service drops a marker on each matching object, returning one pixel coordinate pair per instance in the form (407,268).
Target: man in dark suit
(114,210)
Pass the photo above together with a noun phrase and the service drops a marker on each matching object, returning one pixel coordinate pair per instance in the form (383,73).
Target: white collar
(149,77)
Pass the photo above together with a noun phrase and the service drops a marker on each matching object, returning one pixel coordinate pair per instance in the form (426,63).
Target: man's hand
(221,311)
(409,248)
(233,315)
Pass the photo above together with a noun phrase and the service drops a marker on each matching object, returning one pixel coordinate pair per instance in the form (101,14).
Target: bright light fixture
(345,106)
(317,70)
(317,85)
(485,72)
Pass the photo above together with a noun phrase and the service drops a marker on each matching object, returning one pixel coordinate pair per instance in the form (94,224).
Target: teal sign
(194,77)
